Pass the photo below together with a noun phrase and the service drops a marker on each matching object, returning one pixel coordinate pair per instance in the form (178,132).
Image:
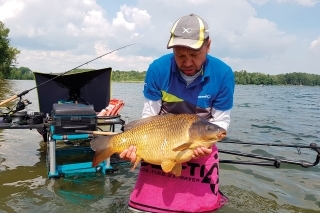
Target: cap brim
(189,43)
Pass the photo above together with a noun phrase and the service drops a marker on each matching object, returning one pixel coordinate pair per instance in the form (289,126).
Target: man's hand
(129,154)
(200,152)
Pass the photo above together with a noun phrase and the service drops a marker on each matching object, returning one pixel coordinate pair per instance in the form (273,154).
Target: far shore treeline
(241,77)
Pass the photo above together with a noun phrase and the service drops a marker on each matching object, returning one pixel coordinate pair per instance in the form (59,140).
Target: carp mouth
(206,132)
(221,135)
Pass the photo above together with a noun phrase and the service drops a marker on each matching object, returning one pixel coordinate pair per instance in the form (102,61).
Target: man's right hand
(129,154)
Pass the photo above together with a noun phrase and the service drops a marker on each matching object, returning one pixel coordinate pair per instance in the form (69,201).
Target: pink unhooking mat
(196,190)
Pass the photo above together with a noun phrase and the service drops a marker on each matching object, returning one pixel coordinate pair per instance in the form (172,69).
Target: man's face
(190,61)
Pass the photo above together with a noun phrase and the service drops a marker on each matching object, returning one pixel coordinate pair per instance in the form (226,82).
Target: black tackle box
(69,117)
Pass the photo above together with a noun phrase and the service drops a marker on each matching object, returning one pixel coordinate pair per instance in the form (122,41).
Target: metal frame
(56,170)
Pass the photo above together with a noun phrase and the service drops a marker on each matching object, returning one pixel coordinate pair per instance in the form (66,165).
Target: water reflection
(6,89)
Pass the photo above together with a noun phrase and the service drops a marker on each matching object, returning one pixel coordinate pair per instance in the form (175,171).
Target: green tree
(8,54)
(296,78)
(21,73)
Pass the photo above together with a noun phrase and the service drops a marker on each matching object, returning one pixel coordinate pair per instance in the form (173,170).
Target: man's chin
(189,72)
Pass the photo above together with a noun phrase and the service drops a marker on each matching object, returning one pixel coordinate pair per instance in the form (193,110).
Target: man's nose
(187,62)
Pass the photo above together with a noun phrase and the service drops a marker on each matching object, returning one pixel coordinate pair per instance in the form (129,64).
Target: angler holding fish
(188,82)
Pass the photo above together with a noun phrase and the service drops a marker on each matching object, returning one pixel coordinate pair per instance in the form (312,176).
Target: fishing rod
(26,91)
(276,160)
(312,145)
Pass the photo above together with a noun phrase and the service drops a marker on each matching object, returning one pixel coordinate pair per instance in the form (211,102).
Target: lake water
(269,114)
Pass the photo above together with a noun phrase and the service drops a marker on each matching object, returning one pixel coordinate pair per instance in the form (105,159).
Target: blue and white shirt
(210,95)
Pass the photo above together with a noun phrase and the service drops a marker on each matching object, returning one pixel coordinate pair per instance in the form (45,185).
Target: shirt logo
(204,96)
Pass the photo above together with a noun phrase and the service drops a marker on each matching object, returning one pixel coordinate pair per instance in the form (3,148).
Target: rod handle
(96,132)
(8,100)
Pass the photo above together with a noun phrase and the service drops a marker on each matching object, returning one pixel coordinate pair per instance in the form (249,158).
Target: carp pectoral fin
(136,163)
(168,165)
(176,170)
(182,147)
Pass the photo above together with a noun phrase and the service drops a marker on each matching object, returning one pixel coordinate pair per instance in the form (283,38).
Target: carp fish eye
(212,127)
(209,127)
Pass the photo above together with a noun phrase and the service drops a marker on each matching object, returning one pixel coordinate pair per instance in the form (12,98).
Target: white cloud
(134,35)
(89,2)
(131,17)
(197,1)
(315,46)
(94,24)
(260,37)
(34,32)
(140,17)
(120,21)
(72,30)
(9,9)
(259,2)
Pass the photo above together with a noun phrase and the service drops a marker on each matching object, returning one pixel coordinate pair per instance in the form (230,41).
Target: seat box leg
(52,159)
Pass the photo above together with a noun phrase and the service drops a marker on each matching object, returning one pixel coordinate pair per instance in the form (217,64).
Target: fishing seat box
(69,117)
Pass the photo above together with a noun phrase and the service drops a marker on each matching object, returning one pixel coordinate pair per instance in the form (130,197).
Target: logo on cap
(188,30)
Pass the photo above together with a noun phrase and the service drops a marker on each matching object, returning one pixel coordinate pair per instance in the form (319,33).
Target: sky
(265,36)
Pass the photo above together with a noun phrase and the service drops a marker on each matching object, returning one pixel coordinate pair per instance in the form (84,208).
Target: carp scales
(166,140)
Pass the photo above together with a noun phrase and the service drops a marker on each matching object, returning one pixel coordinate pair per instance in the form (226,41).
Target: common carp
(167,140)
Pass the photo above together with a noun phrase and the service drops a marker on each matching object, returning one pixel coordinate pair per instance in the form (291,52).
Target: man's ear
(208,45)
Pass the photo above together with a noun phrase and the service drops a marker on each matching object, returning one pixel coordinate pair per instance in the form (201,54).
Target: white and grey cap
(189,31)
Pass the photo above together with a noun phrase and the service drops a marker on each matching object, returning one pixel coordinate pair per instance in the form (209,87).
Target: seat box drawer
(70,117)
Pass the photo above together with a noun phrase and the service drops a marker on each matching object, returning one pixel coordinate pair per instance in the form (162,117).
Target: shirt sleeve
(151,108)
(221,118)
(151,90)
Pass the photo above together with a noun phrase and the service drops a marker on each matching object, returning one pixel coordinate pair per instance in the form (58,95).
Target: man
(185,81)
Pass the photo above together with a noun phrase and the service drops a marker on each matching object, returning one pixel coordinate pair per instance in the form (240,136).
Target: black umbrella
(92,87)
